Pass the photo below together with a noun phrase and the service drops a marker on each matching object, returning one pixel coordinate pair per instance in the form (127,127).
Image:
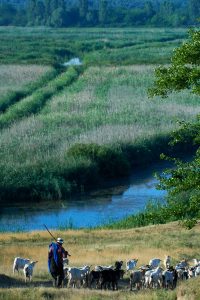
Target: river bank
(103,206)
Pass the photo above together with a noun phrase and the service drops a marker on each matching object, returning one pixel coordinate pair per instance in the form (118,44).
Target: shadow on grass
(10,282)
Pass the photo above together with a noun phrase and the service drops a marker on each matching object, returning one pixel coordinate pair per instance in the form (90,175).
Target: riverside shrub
(110,161)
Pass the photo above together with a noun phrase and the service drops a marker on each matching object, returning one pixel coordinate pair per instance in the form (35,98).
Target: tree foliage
(183,183)
(62,13)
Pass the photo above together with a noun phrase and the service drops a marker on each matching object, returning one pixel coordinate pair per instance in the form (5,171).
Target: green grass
(33,104)
(106,106)
(17,82)
(14,77)
(94,46)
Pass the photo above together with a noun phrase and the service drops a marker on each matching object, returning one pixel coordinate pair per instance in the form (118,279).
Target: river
(87,211)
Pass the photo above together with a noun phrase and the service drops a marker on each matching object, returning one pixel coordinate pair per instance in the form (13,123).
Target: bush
(111,162)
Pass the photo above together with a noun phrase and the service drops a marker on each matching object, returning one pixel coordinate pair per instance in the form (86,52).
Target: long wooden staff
(67,253)
(50,233)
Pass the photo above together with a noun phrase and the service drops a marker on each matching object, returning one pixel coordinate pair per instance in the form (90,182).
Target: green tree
(7,14)
(47,14)
(183,183)
(149,10)
(83,10)
(39,13)
(58,17)
(165,14)
(194,10)
(103,7)
(31,12)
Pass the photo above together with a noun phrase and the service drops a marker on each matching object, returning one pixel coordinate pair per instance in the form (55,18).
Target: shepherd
(55,261)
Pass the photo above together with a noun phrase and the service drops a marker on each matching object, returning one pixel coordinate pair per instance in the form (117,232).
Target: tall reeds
(107,108)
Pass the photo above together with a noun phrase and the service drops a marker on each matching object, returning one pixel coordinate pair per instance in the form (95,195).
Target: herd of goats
(146,276)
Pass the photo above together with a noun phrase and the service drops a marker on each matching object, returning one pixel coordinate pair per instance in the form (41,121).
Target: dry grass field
(95,247)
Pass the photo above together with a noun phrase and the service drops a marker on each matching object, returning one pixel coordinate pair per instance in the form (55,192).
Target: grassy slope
(95,247)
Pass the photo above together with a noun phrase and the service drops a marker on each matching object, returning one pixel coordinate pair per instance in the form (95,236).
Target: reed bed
(95,247)
(107,106)
(14,77)
(106,46)
(33,104)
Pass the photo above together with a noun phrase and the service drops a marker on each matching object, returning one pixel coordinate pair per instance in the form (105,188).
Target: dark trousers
(57,273)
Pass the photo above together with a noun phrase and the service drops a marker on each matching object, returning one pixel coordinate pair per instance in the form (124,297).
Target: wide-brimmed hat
(60,241)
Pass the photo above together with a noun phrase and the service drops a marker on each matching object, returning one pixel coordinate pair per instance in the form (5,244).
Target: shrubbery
(111,162)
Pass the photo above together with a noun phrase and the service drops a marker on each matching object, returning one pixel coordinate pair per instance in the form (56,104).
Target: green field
(80,125)
(94,46)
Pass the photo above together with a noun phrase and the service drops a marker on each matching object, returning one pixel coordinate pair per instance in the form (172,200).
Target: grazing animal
(196,262)
(110,277)
(154,262)
(131,264)
(136,279)
(182,269)
(19,263)
(169,278)
(182,264)
(197,271)
(153,278)
(118,265)
(101,268)
(28,270)
(167,261)
(94,277)
(65,269)
(65,261)
(191,272)
(182,273)
(78,276)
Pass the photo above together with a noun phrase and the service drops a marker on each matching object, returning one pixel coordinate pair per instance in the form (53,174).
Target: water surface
(91,210)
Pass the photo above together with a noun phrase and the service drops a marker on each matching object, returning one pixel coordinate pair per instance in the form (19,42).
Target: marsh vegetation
(75,128)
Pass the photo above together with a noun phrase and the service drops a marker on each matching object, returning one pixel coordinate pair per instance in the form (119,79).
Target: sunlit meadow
(94,247)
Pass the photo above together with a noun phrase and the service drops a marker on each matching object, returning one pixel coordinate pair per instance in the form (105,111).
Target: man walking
(55,261)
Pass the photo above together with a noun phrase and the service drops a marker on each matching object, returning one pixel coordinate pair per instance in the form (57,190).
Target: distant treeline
(61,13)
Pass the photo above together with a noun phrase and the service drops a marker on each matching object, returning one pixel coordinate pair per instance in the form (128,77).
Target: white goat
(101,268)
(65,261)
(197,271)
(131,264)
(19,263)
(28,270)
(196,262)
(153,278)
(136,279)
(154,262)
(77,276)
